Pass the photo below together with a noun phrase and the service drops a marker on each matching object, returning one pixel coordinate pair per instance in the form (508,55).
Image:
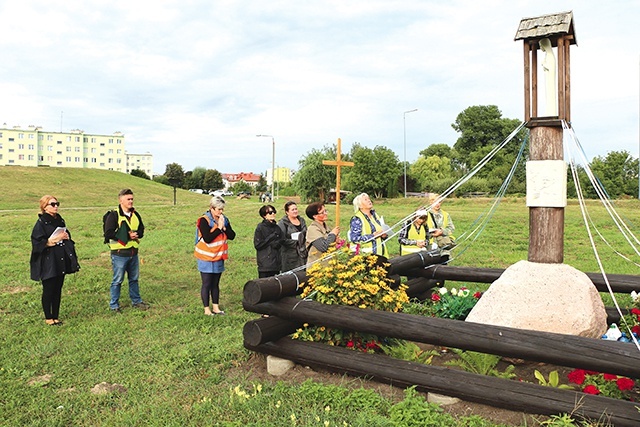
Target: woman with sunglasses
(53,256)
(267,240)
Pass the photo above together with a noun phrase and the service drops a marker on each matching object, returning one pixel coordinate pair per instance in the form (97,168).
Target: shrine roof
(539,27)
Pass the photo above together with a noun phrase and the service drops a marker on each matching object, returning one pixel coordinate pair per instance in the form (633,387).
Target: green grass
(173,361)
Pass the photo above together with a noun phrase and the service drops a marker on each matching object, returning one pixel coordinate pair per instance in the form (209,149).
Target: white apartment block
(76,149)
(144,162)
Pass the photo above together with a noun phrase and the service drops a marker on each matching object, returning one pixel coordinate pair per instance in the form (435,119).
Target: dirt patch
(255,369)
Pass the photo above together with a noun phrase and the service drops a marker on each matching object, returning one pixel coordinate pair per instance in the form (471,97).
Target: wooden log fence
(497,392)
(537,346)
(269,336)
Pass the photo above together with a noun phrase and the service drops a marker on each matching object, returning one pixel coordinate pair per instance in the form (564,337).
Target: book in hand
(57,232)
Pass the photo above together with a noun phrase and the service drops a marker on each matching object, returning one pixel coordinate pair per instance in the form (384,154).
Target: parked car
(197,190)
(221,193)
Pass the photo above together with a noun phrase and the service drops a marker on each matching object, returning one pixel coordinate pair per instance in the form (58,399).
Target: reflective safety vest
(217,250)
(413,234)
(431,225)
(369,226)
(124,221)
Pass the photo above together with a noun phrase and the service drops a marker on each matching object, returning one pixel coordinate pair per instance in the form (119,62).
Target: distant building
(283,175)
(34,147)
(229,179)
(144,162)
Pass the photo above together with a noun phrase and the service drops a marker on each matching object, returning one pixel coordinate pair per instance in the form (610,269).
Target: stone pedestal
(543,297)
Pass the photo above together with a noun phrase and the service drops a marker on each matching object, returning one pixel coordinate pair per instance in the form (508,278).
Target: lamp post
(404,125)
(273,164)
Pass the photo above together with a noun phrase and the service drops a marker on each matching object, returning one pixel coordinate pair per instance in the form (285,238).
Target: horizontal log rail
(413,265)
(497,392)
(536,346)
(620,283)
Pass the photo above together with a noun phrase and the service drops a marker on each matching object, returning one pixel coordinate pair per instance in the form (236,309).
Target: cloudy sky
(194,81)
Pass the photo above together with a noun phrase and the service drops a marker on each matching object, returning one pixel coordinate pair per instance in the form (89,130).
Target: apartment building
(35,147)
(144,162)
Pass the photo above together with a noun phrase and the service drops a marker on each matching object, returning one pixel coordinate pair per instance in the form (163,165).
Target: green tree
(262,184)
(426,170)
(241,186)
(313,179)
(195,178)
(374,172)
(440,150)
(617,172)
(212,180)
(140,173)
(482,128)
(175,174)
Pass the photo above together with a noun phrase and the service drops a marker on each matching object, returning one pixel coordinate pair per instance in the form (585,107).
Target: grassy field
(172,360)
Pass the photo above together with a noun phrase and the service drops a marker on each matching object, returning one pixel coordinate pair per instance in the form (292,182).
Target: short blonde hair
(217,202)
(357,201)
(44,201)
(433,197)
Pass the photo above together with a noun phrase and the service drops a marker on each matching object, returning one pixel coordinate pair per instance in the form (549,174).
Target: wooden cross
(338,163)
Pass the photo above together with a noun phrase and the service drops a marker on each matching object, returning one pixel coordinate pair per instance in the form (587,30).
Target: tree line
(378,171)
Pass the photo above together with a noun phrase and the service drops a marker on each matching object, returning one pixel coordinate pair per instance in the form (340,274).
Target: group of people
(281,246)
(288,244)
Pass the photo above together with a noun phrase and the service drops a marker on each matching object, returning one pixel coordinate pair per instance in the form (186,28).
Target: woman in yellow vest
(366,230)
(213,230)
(414,236)
(440,225)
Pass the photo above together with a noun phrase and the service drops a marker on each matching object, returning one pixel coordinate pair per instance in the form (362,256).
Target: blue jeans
(130,265)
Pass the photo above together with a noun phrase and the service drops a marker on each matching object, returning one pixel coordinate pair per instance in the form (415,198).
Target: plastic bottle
(613,333)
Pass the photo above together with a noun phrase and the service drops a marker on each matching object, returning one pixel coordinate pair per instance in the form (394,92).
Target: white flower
(454,292)
(442,290)
(634,296)
(464,292)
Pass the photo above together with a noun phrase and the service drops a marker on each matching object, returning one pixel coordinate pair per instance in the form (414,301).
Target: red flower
(435,297)
(477,295)
(591,372)
(610,377)
(591,389)
(624,384)
(576,376)
(635,311)
(636,329)
(350,344)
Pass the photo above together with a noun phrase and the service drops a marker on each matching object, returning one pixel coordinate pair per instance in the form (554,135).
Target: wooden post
(546,223)
(338,163)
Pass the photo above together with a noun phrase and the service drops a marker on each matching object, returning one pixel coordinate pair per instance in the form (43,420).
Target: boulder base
(543,297)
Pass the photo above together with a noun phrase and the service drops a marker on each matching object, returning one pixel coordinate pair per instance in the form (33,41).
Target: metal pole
(404,126)
(273,164)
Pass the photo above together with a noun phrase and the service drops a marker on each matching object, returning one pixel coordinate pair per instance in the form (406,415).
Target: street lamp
(273,164)
(404,124)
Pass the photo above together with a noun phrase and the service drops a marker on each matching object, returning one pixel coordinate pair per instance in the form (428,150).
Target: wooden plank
(497,392)
(564,350)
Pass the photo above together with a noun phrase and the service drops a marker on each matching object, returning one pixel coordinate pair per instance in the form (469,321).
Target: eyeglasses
(54,204)
(271,212)
(322,212)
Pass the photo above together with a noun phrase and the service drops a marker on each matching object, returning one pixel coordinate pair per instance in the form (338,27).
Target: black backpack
(104,223)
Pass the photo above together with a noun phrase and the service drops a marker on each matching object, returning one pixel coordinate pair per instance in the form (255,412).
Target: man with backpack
(123,229)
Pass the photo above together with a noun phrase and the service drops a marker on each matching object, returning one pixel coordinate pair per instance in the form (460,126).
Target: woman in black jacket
(267,240)
(53,256)
(294,231)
